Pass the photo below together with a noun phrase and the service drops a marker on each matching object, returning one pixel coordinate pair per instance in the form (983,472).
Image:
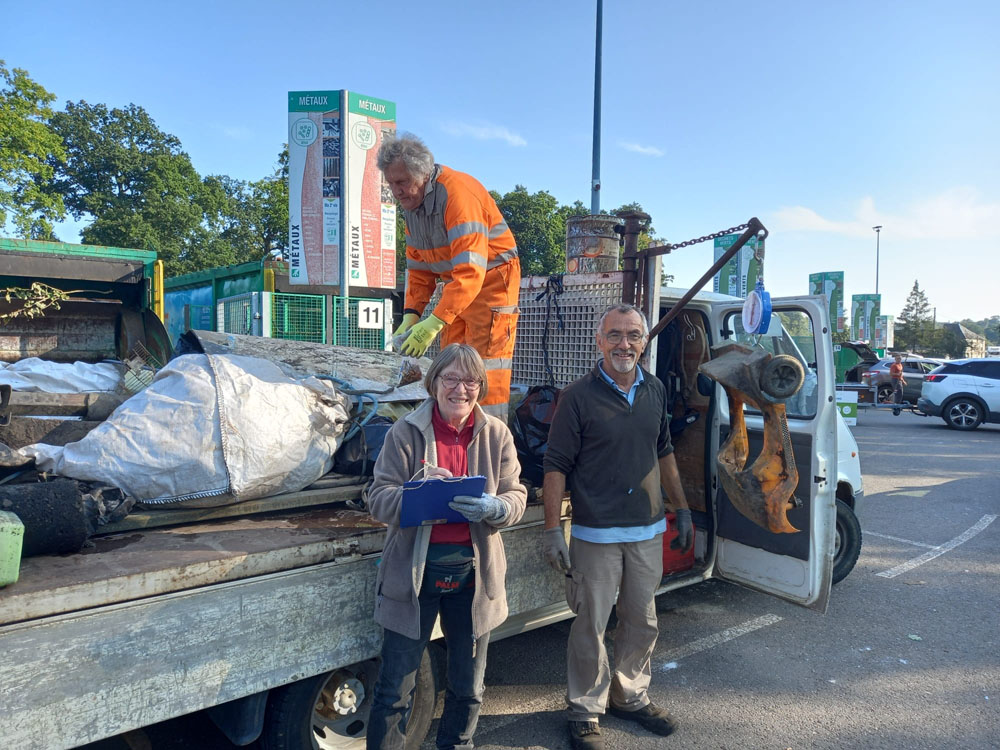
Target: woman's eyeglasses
(452,381)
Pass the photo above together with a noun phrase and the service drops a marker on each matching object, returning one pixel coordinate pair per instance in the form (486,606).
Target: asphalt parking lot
(907,655)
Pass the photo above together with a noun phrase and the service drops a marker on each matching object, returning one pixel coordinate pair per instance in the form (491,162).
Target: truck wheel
(847,542)
(330,711)
(782,376)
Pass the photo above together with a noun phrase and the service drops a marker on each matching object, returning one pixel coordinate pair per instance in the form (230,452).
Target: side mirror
(706,386)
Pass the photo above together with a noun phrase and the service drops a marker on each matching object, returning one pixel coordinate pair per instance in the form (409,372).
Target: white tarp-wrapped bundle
(38,375)
(210,430)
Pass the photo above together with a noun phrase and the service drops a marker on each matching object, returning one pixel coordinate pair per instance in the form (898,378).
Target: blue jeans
(398,675)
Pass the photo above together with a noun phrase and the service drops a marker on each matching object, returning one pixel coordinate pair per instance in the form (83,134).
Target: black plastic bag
(532,419)
(356,455)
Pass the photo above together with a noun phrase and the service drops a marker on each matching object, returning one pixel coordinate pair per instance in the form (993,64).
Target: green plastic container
(11,534)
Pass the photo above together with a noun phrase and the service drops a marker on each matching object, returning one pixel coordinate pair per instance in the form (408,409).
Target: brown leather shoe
(585,735)
(650,717)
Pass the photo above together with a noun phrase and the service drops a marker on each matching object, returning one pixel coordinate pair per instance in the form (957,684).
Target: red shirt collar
(439,424)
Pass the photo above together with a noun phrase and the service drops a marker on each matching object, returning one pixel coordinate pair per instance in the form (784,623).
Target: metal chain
(732,230)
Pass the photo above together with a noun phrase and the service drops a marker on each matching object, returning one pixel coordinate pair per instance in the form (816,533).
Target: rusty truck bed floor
(136,564)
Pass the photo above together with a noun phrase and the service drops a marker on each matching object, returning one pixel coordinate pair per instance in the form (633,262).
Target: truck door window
(790,332)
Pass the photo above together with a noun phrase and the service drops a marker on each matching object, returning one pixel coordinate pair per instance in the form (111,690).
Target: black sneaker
(651,717)
(585,735)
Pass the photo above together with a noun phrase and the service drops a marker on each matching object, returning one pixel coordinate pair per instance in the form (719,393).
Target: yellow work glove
(421,336)
(408,320)
(399,335)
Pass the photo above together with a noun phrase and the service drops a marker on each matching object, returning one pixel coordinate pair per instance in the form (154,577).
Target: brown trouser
(602,573)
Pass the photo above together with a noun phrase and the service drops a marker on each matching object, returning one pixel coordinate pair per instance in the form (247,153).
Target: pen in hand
(431,471)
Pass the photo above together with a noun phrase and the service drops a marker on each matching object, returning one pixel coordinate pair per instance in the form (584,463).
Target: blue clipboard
(425,503)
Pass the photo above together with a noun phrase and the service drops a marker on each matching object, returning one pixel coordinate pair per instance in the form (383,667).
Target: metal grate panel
(298,317)
(572,351)
(363,338)
(236,314)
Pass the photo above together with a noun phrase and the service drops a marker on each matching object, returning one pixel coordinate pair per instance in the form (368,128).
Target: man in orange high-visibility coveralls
(455,232)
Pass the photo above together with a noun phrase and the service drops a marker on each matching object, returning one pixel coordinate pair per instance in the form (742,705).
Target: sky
(821,119)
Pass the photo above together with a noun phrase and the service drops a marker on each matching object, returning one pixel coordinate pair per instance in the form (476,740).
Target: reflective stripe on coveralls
(459,235)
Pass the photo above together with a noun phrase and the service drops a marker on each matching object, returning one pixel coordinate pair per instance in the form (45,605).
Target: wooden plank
(346,488)
(125,567)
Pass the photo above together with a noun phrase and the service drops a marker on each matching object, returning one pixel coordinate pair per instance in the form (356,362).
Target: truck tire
(314,713)
(847,543)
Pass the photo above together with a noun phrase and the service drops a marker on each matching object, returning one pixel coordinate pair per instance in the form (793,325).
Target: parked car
(914,370)
(964,393)
(866,358)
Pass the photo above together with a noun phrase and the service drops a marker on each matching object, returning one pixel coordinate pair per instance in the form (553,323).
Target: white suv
(964,393)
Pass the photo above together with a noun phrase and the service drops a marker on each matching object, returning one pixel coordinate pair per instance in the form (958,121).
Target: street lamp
(878,232)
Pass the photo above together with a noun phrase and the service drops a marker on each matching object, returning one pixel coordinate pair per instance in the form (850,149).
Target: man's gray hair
(625,310)
(411,151)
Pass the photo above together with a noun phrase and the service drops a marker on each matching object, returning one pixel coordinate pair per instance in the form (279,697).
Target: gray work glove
(556,551)
(482,508)
(685,531)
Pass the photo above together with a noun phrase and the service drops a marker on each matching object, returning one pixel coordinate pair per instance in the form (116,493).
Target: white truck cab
(798,566)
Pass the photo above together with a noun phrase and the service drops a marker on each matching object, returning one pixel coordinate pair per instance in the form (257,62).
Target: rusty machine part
(764,491)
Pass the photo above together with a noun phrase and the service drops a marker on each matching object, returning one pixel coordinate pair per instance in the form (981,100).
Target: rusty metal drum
(592,244)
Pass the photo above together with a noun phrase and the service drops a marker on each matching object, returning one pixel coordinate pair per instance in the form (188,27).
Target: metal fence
(298,317)
(307,317)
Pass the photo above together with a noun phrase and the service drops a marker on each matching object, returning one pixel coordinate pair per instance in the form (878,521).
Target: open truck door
(794,566)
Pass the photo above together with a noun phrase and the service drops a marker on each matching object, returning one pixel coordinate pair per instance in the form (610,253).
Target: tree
(244,221)
(946,341)
(539,228)
(27,148)
(914,326)
(133,179)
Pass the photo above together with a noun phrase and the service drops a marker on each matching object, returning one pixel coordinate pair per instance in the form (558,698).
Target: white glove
(482,508)
(556,551)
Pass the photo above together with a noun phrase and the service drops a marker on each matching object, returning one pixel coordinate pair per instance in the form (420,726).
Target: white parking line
(556,701)
(939,550)
(898,539)
(718,639)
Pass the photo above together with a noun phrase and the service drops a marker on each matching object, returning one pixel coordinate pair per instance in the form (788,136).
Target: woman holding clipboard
(453,569)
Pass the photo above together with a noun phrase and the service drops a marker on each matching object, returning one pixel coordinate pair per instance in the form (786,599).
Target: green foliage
(134,179)
(946,341)
(539,228)
(914,325)
(27,148)
(34,301)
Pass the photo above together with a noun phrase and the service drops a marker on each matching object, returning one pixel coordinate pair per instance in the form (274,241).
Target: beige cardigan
(492,454)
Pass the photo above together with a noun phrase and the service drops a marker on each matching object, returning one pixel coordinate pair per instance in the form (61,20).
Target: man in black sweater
(610,441)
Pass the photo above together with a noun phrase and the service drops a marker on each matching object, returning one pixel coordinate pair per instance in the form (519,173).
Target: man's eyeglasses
(451,381)
(615,337)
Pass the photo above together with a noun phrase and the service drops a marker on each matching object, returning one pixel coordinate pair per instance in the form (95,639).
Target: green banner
(831,285)
(313,101)
(368,105)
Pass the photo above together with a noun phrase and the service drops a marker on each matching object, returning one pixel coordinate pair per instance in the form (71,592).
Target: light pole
(595,179)
(878,232)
